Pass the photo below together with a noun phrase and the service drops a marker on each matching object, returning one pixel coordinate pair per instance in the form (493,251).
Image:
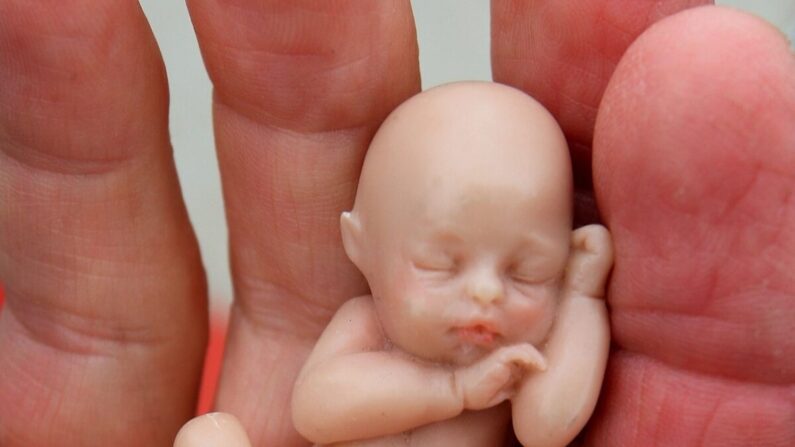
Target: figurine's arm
(553,406)
(350,388)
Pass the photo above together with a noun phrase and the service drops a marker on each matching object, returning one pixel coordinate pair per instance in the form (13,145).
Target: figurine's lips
(477,334)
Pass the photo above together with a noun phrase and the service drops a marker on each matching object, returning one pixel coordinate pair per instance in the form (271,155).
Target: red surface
(212,364)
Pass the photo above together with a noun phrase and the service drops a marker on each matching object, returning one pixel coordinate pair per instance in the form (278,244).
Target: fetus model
(485,306)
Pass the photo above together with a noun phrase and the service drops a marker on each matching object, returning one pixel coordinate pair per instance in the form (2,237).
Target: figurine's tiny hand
(494,379)
(590,261)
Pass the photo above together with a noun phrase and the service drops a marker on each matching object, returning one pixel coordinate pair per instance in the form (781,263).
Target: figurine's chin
(468,353)
(457,353)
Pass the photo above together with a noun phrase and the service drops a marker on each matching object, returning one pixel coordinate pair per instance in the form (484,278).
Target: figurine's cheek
(418,297)
(532,316)
(427,301)
(429,313)
(529,309)
(538,295)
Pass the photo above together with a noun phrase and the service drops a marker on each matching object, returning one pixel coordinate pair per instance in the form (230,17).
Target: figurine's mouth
(477,334)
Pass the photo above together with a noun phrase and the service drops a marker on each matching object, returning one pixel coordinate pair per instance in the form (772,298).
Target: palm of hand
(693,161)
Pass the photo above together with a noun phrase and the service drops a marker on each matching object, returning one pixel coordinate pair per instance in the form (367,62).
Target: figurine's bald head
(455,143)
(462,221)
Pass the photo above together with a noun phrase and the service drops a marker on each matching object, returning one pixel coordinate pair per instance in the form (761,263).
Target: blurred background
(454,45)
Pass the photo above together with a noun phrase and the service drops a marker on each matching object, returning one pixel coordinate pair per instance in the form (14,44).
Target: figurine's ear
(590,261)
(351,228)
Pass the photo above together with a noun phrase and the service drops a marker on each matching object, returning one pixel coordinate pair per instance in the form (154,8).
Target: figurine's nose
(485,287)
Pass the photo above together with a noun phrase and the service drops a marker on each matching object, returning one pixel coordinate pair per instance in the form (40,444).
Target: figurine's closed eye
(439,263)
(531,272)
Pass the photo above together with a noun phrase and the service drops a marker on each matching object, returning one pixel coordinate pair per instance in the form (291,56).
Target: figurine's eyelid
(436,270)
(533,275)
(440,263)
(525,279)
(436,265)
(526,273)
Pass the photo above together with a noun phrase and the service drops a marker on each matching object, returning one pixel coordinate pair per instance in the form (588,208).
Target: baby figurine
(485,305)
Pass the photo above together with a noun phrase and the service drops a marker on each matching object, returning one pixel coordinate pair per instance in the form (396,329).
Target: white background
(454,45)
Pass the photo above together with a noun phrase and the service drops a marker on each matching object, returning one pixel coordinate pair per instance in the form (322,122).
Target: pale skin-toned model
(462,227)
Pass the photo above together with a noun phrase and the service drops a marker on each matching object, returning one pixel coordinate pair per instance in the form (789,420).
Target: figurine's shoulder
(358,311)
(361,305)
(354,328)
(356,319)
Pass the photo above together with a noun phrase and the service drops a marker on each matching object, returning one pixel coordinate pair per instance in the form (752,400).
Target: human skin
(692,149)
(212,430)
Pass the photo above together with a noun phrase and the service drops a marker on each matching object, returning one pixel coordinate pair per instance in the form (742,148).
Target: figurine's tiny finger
(212,430)
(593,239)
(531,357)
(590,262)
(539,361)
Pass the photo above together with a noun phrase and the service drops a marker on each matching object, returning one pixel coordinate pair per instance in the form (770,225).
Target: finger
(530,357)
(212,430)
(563,52)
(102,333)
(694,161)
(300,88)
(539,362)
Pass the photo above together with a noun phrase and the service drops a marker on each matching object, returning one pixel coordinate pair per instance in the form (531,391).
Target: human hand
(102,335)
(692,167)
(494,379)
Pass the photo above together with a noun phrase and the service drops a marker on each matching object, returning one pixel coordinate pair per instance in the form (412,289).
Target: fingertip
(711,72)
(212,430)
(536,358)
(578,238)
(542,363)
(563,52)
